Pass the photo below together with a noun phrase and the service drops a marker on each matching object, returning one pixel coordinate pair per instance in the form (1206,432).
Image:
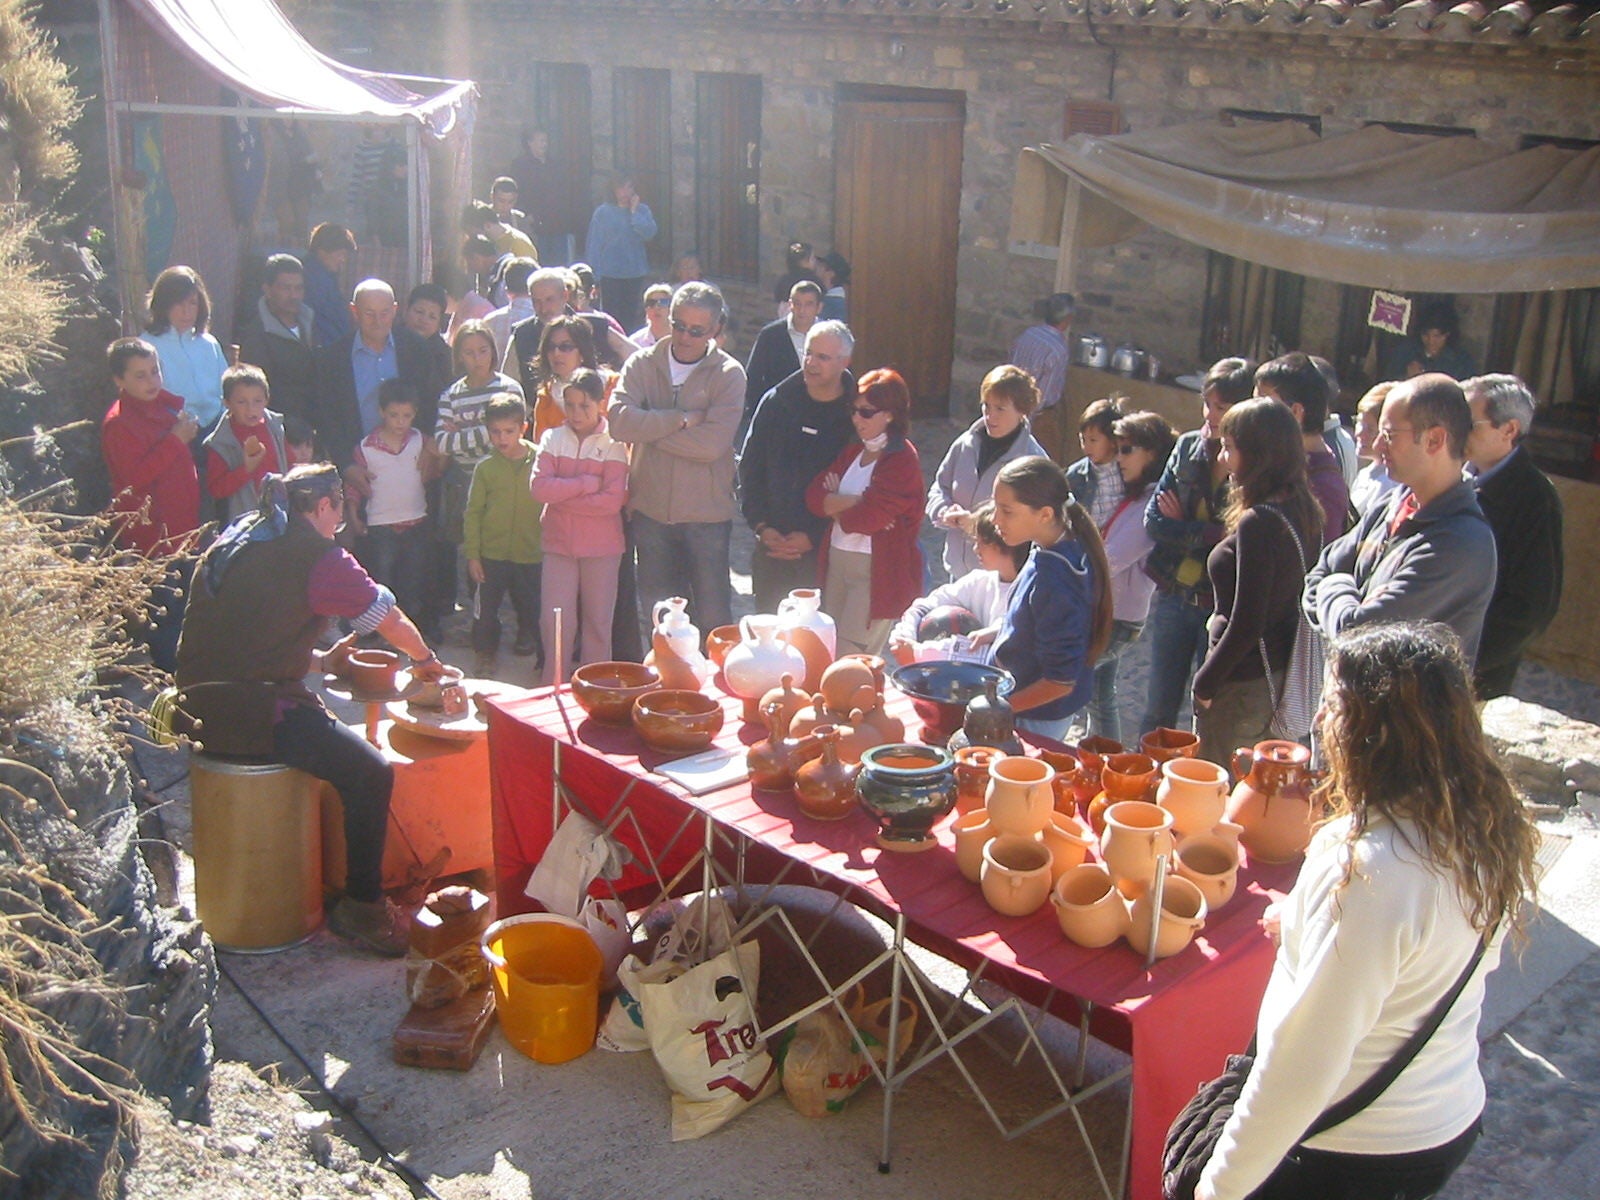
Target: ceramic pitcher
(972,833)
(1164,744)
(1272,800)
(803,624)
(1016,874)
(1089,909)
(1195,792)
(1183,914)
(1020,798)
(1136,835)
(760,660)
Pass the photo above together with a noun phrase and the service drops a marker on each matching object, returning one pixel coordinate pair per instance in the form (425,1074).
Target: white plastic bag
(704,1035)
(607,923)
(700,927)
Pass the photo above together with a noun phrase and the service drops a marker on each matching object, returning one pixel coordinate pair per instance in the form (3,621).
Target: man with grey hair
(678,404)
(1524,511)
(1042,351)
(799,427)
(548,293)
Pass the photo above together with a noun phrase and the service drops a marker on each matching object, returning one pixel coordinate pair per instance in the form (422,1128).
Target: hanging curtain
(1250,310)
(1551,340)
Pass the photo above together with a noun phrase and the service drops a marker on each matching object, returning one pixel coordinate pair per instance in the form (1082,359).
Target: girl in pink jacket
(581,478)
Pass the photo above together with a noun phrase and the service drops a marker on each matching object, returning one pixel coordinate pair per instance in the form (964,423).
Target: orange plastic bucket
(546,984)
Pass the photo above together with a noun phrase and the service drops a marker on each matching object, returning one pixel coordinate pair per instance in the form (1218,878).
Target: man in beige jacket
(678,404)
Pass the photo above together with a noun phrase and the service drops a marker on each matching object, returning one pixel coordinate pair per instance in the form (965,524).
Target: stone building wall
(1015,77)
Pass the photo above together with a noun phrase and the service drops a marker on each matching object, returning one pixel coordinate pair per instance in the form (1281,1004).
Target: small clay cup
(719,641)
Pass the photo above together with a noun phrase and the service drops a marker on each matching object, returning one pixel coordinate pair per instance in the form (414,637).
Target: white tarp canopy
(1411,212)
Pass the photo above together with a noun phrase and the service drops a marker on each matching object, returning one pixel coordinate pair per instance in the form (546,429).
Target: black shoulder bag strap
(1390,1071)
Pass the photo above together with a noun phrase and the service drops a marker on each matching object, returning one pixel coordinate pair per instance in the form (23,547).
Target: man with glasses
(779,346)
(547,292)
(678,404)
(798,429)
(1428,553)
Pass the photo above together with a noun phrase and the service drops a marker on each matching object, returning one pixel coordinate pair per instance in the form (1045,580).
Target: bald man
(349,371)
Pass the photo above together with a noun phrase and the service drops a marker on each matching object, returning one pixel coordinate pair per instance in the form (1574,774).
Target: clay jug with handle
(1183,914)
(803,624)
(972,833)
(1020,799)
(1272,800)
(1136,835)
(1210,861)
(760,661)
(1195,792)
(825,787)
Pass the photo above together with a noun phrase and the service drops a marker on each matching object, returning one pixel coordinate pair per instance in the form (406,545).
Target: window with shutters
(1098,118)
(727,191)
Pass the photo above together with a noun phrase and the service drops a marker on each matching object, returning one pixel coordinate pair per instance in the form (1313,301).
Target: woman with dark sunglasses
(565,347)
(870,563)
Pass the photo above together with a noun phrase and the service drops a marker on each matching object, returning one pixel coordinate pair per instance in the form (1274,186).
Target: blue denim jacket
(1182,544)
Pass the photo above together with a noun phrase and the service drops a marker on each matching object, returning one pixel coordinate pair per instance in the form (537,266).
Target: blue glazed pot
(907,788)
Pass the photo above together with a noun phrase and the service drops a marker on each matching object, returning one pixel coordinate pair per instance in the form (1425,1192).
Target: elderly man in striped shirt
(1043,352)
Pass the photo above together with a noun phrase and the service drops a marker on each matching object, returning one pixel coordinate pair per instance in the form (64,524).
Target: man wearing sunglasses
(678,404)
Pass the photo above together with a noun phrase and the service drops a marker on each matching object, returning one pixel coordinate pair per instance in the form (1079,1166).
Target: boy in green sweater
(502,536)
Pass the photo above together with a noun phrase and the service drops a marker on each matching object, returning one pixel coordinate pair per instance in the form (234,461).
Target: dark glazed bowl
(940,690)
(677,721)
(907,789)
(607,690)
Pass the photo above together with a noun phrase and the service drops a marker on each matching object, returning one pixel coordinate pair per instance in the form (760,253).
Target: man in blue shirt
(615,249)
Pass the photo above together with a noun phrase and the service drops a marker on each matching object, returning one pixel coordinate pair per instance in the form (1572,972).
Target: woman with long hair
(1274,533)
(1428,853)
(565,346)
(869,561)
(192,361)
(1058,620)
(1144,442)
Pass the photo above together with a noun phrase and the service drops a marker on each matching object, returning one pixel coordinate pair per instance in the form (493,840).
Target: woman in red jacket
(870,563)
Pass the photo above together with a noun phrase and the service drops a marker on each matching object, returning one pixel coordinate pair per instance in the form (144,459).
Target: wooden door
(727,174)
(561,106)
(641,105)
(897,209)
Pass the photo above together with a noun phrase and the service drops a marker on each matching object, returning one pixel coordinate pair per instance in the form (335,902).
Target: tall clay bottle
(825,788)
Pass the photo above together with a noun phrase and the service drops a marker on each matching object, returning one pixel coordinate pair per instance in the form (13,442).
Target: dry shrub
(39,101)
(32,305)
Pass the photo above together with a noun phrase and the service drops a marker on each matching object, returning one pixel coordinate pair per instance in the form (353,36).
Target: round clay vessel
(1164,744)
(677,720)
(430,694)
(972,832)
(1069,840)
(850,683)
(1016,874)
(768,759)
(1183,914)
(1272,800)
(607,690)
(1089,908)
(890,728)
(761,659)
(989,720)
(1129,777)
(972,776)
(825,787)
(804,625)
(907,788)
(678,673)
(1136,835)
(1195,792)
(1095,812)
(1211,863)
(719,641)
(790,697)
(1094,750)
(373,671)
(1019,798)
(1067,783)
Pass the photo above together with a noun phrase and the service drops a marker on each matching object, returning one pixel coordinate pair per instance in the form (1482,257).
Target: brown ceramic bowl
(719,641)
(607,690)
(677,721)
(373,671)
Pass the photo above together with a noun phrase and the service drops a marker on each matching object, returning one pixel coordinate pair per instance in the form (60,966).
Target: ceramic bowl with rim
(941,689)
(677,721)
(607,690)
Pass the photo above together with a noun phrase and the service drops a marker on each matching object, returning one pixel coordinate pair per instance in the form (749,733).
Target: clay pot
(1272,800)
(1210,861)
(1074,786)
(972,832)
(431,694)
(1019,798)
(373,671)
(972,776)
(907,789)
(808,716)
(1183,914)
(1015,876)
(1068,839)
(676,720)
(825,787)
(719,641)
(1095,813)
(773,760)
(792,700)
(607,690)
(1094,750)
(804,625)
(1089,908)
(676,671)
(989,720)
(890,728)
(761,659)
(1195,792)
(1129,777)
(856,737)
(1164,745)
(851,683)
(1136,835)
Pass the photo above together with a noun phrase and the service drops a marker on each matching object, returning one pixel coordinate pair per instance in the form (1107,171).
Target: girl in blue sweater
(1058,621)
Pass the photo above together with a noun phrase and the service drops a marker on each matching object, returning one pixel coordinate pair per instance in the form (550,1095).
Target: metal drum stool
(257,853)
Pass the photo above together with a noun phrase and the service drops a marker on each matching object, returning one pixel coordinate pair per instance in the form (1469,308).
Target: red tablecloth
(1179,1021)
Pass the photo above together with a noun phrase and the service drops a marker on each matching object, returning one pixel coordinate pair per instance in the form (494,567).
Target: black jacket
(772,360)
(1524,511)
(792,439)
(525,335)
(337,417)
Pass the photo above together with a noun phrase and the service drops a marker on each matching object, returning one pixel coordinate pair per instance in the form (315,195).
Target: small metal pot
(1093,351)
(1152,366)
(1128,360)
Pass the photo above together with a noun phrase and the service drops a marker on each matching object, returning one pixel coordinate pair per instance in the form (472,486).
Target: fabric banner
(1376,208)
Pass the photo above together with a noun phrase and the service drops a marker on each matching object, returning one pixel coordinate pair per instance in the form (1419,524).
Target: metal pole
(1158,891)
(414,208)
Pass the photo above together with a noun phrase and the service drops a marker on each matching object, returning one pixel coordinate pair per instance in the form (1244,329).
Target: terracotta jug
(825,787)
(791,698)
(1136,835)
(1183,914)
(850,683)
(1093,751)
(803,624)
(1195,792)
(1019,798)
(972,832)
(972,776)
(1066,768)
(1210,861)
(1164,745)
(1015,876)
(890,728)
(774,760)
(759,662)
(808,716)
(1068,839)
(1089,909)
(1129,777)
(676,672)
(1095,812)
(1272,800)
